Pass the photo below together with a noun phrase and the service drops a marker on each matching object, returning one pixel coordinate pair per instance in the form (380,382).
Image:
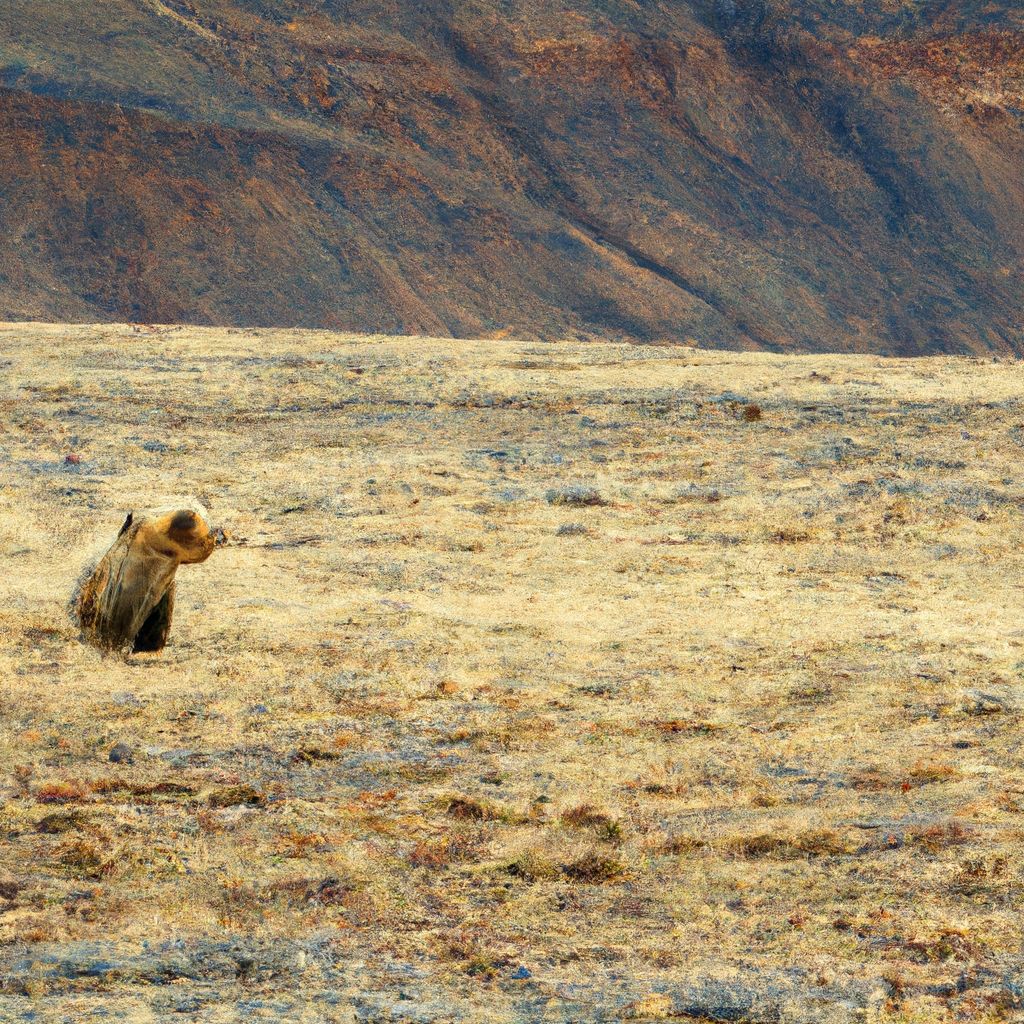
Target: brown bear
(126,602)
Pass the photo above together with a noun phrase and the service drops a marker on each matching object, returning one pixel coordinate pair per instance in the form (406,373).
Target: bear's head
(183,535)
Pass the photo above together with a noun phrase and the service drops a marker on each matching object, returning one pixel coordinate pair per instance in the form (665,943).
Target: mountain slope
(824,176)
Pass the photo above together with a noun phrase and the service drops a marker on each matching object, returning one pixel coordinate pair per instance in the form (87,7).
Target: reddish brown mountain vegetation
(831,174)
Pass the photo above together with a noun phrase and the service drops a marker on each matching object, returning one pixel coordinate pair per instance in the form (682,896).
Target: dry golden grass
(547,657)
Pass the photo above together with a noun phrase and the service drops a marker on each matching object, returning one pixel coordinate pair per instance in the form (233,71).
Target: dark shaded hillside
(839,176)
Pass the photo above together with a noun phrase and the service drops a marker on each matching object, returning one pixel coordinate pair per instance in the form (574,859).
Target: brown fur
(127,601)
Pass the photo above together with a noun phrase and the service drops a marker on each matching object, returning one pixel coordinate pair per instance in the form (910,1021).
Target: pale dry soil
(537,683)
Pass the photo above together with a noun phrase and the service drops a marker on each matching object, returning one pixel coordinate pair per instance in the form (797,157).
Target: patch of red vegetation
(62,792)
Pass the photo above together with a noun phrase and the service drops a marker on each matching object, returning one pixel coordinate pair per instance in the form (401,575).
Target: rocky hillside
(826,175)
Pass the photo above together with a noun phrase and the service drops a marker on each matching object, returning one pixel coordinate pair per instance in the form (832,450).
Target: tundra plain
(539,682)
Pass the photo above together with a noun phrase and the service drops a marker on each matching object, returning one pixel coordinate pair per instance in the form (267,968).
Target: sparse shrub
(948,944)
(533,867)
(23,776)
(60,822)
(430,855)
(586,816)
(571,530)
(209,821)
(391,576)
(697,493)
(465,948)
(686,725)
(985,867)
(86,858)
(898,984)
(575,496)
(164,788)
(463,807)
(871,780)
(241,903)
(677,845)
(470,809)
(319,892)
(421,772)
(232,796)
(594,867)
(373,798)
(978,704)
(441,852)
(1009,800)
(62,792)
(810,693)
(34,987)
(300,844)
(330,892)
(813,843)
(752,413)
(312,754)
(789,535)
(926,774)
(977,874)
(937,837)
(922,774)
(656,1006)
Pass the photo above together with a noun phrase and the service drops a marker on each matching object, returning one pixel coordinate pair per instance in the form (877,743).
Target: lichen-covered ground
(538,683)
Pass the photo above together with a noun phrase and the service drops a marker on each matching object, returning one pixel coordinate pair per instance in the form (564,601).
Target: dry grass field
(537,683)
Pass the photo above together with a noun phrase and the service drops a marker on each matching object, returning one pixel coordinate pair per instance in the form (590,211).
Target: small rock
(121,753)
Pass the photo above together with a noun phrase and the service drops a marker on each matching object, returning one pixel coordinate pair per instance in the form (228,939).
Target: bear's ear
(127,523)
